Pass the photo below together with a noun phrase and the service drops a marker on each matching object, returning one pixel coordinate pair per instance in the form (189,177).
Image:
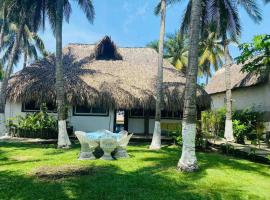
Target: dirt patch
(60,172)
(21,158)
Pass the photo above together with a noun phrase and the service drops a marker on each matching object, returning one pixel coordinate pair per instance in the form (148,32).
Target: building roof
(103,74)
(239,79)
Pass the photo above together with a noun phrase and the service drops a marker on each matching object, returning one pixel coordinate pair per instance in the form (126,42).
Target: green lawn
(43,172)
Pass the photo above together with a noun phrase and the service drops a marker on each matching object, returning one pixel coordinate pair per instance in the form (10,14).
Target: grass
(29,171)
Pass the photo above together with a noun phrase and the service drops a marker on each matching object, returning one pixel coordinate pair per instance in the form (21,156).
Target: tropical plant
(211,52)
(239,130)
(176,51)
(19,12)
(31,45)
(156,140)
(154,45)
(255,56)
(39,124)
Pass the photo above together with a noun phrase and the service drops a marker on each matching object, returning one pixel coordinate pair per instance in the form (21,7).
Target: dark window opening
(151,113)
(33,106)
(88,111)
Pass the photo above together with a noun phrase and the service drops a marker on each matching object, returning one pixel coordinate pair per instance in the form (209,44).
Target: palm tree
(227,19)
(30,45)
(188,160)
(19,13)
(56,19)
(57,11)
(211,52)
(3,14)
(177,51)
(156,140)
(154,45)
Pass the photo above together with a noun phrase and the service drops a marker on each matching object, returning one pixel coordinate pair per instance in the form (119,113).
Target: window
(33,106)
(136,113)
(140,113)
(90,111)
(170,115)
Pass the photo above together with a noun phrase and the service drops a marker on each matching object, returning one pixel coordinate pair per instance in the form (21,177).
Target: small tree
(255,56)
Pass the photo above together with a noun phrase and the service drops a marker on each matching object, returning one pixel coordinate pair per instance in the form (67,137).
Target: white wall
(257,97)
(80,123)
(92,123)
(136,125)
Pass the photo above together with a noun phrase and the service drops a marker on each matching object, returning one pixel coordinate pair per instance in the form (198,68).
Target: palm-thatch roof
(239,79)
(103,74)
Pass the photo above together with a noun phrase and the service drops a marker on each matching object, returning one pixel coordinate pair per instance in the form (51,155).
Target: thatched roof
(103,74)
(239,79)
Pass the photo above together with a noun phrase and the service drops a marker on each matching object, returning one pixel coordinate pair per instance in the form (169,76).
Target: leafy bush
(39,124)
(239,130)
(245,123)
(213,122)
(177,135)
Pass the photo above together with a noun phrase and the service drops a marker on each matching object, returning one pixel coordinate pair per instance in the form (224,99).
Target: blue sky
(132,23)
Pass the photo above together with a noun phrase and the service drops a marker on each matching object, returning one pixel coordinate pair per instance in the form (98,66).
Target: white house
(249,90)
(100,80)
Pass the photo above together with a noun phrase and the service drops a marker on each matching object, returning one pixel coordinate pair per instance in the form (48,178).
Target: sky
(132,23)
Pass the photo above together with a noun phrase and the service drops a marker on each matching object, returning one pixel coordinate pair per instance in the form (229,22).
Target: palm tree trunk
(188,160)
(207,79)
(228,123)
(156,140)
(25,59)
(63,139)
(7,74)
(3,27)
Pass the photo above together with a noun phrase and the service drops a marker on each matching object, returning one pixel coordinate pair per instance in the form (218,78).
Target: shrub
(177,135)
(239,130)
(213,122)
(245,123)
(39,124)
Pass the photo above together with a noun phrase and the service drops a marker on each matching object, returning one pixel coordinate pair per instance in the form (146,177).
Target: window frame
(24,110)
(90,114)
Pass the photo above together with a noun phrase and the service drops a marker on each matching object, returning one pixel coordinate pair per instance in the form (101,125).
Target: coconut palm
(154,45)
(57,11)
(31,45)
(156,140)
(211,52)
(20,14)
(177,51)
(188,160)
(3,18)
(227,28)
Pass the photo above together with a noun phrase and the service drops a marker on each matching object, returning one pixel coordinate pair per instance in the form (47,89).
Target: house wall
(80,123)
(136,125)
(256,97)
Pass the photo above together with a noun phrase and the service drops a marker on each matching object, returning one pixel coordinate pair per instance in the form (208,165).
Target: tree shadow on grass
(155,178)
(110,183)
(168,158)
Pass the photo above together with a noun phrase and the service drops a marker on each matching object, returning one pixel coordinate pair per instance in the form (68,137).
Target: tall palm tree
(188,160)
(19,14)
(227,19)
(62,7)
(156,140)
(57,11)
